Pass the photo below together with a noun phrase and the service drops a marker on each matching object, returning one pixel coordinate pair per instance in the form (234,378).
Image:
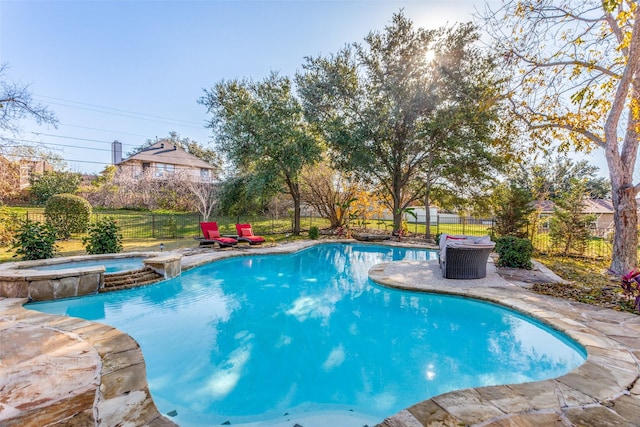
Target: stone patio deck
(66,371)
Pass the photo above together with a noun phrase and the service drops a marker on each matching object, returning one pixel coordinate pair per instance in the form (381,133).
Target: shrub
(104,237)
(514,252)
(8,221)
(68,213)
(34,240)
(314,232)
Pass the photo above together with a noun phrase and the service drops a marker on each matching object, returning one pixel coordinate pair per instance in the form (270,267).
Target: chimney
(116,152)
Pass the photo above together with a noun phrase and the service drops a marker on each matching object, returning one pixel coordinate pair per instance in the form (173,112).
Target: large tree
(378,104)
(576,80)
(261,128)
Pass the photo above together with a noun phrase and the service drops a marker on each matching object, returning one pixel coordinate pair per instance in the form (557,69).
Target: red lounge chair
(245,234)
(212,236)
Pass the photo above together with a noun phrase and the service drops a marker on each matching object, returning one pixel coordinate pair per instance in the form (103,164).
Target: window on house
(204,174)
(164,170)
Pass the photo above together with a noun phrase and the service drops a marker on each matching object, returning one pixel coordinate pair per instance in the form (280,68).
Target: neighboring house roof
(165,152)
(590,206)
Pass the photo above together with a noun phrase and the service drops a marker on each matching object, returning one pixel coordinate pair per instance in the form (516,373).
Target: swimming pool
(274,338)
(114,265)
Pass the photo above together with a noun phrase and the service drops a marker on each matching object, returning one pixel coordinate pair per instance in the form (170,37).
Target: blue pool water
(111,265)
(271,339)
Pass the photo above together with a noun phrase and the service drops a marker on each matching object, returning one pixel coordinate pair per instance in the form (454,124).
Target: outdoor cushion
(253,239)
(245,234)
(226,240)
(214,234)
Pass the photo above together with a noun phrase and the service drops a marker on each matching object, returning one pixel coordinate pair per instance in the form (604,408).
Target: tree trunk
(625,239)
(397,215)
(295,195)
(427,216)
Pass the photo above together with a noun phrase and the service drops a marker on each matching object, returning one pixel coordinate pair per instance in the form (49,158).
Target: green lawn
(139,226)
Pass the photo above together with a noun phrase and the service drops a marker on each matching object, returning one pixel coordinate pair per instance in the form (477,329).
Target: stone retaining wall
(49,285)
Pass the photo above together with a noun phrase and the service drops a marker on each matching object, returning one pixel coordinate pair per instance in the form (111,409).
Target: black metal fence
(140,225)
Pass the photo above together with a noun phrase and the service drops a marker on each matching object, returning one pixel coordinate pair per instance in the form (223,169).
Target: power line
(64,160)
(104,130)
(78,139)
(117,112)
(62,145)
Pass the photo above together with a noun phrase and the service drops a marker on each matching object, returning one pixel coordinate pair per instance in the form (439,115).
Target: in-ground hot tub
(115,265)
(66,277)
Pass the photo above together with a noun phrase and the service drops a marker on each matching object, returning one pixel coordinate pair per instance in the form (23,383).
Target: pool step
(130,279)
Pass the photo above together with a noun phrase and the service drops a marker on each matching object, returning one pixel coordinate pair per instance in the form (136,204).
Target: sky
(133,70)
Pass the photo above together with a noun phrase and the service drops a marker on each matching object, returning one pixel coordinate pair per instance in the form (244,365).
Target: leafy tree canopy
(50,183)
(391,114)
(261,128)
(553,176)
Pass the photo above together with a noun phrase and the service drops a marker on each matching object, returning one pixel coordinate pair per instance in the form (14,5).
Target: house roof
(591,206)
(166,152)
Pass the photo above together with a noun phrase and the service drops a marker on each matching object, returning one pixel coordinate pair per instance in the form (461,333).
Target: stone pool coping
(107,378)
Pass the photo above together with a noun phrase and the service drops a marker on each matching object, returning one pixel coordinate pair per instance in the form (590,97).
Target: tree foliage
(9,178)
(576,82)
(51,182)
(235,197)
(512,210)
(552,176)
(569,226)
(261,128)
(387,111)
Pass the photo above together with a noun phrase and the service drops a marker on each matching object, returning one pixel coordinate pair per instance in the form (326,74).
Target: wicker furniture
(464,257)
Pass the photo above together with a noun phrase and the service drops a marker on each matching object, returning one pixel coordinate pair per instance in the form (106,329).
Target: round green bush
(68,213)
(104,237)
(514,252)
(314,232)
